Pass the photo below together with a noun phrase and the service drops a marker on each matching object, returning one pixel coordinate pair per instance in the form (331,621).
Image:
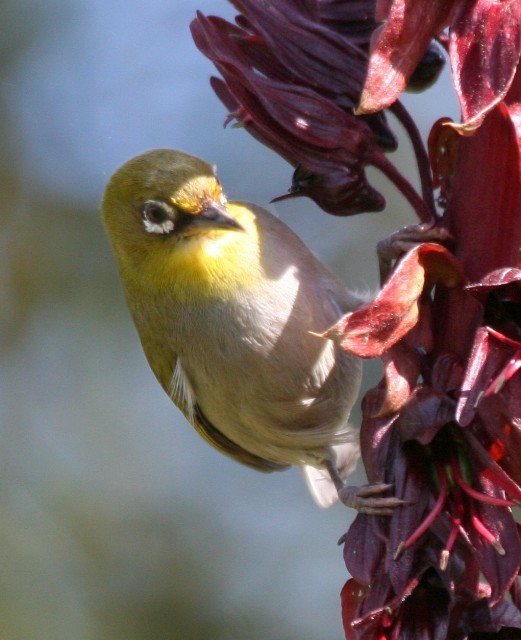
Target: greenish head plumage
(170,226)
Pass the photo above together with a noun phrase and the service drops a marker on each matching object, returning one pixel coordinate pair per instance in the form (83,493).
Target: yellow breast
(205,265)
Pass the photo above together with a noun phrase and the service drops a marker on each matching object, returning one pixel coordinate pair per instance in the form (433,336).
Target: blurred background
(116,520)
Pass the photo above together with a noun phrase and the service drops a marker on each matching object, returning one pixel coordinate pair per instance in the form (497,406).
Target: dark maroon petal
(447,374)
(485,44)
(456,317)
(317,56)
(211,37)
(487,467)
(373,612)
(378,443)
(364,548)
(292,82)
(253,49)
(354,18)
(489,356)
(480,616)
(312,118)
(443,144)
(300,121)
(499,570)
(424,614)
(375,436)
(340,191)
(411,484)
(425,413)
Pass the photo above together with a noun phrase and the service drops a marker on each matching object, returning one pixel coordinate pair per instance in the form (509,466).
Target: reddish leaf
(485,44)
(513,105)
(401,371)
(398,48)
(486,197)
(350,596)
(376,327)
(443,151)
(498,278)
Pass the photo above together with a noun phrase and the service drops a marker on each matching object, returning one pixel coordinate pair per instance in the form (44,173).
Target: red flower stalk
(444,424)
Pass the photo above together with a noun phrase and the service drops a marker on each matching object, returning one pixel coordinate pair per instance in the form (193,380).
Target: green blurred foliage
(116,521)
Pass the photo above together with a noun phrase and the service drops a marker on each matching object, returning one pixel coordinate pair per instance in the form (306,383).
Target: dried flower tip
(399,551)
(444,559)
(487,535)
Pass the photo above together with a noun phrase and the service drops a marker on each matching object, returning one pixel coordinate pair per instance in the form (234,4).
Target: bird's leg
(365,499)
(399,242)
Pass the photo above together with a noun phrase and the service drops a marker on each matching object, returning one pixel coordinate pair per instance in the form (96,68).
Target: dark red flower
(444,426)
(292,73)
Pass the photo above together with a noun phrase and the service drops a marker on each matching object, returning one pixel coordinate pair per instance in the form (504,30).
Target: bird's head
(166,214)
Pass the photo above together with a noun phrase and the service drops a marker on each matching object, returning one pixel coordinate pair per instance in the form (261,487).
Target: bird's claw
(404,240)
(367,499)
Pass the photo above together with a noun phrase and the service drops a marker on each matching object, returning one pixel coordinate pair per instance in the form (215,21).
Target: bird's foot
(368,499)
(399,242)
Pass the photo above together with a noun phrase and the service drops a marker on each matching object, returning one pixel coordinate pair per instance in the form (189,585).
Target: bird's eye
(157,218)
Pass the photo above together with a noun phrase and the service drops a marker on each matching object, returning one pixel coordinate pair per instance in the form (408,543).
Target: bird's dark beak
(216,216)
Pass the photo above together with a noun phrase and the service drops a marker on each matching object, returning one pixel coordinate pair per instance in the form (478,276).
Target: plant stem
(422,159)
(380,161)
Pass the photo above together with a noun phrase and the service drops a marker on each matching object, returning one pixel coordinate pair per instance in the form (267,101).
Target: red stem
(380,161)
(478,495)
(437,509)
(422,159)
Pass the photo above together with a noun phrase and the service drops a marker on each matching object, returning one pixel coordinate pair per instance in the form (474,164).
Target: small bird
(226,299)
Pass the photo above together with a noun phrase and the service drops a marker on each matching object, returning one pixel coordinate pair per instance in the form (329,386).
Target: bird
(228,301)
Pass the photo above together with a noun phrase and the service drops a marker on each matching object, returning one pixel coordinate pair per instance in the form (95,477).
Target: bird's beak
(216,216)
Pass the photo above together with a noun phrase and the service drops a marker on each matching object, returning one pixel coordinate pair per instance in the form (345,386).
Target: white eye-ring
(157,218)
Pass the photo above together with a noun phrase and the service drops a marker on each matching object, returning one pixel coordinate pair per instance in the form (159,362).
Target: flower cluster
(292,75)
(311,79)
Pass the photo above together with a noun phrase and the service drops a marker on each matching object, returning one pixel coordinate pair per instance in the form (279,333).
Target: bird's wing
(183,396)
(223,444)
